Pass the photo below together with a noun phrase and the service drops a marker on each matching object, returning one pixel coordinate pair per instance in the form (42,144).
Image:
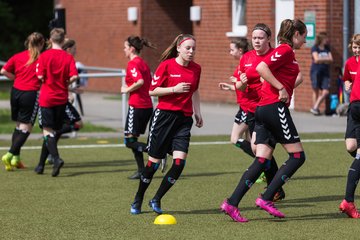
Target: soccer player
(175,83)
(138,79)
(250,83)
(274,124)
(56,69)
(240,135)
(24,94)
(352,135)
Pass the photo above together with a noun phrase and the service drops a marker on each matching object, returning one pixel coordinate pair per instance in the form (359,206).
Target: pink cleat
(349,208)
(269,207)
(232,211)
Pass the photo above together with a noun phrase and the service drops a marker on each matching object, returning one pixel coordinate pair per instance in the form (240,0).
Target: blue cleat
(136,207)
(155,206)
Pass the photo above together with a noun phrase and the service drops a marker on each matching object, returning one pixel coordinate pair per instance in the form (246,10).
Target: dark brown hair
(138,43)
(287,30)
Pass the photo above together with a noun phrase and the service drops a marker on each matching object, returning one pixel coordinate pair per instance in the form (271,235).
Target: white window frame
(239,27)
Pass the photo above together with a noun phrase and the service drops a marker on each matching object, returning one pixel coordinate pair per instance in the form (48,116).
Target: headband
(185,39)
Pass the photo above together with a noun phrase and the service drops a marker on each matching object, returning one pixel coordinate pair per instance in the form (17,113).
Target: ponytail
(171,51)
(34,43)
(138,43)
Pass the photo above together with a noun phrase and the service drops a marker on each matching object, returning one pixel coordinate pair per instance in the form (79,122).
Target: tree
(20,18)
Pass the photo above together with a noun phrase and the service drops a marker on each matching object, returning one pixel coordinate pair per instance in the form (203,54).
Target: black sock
(170,178)
(247,180)
(15,134)
(139,158)
(44,153)
(18,141)
(145,179)
(245,146)
(133,143)
(352,179)
(51,144)
(66,128)
(284,174)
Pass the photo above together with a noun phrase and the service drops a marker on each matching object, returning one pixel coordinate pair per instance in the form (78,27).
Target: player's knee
(299,156)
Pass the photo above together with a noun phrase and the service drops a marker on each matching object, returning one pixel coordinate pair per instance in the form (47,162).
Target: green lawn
(91,197)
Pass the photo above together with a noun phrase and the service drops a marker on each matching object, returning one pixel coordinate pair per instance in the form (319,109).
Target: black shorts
(137,120)
(241,116)
(251,121)
(169,131)
(353,122)
(273,124)
(52,117)
(71,114)
(24,105)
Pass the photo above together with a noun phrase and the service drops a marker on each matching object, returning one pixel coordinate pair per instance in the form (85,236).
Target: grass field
(91,197)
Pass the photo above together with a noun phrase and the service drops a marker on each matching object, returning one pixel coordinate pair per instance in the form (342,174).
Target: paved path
(106,110)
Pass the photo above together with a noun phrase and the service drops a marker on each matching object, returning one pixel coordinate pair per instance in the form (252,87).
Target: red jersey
(239,94)
(284,67)
(57,67)
(138,69)
(355,91)
(25,77)
(169,74)
(248,64)
(350,69)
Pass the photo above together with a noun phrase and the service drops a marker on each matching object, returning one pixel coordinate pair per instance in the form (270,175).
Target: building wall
(101,27)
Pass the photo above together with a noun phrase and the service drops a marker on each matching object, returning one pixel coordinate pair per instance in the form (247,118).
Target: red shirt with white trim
(284,67)
(350,69)
(248,64)
(355,91)
(138,69)
(25,77)
(57,67)
(169,74)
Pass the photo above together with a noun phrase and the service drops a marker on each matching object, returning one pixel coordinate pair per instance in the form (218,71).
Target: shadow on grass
(318,177)
(191,175)
(75,174)
(111,163)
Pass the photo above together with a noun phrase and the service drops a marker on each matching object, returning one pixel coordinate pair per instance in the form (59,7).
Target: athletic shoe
(58,163)
(136,206)
(136,175)
(349,208)
(39,169)
(314,111)
(269,207)
(279,195)
(16,162)
(232,211)
(261,178)
(155,206)
(6,159)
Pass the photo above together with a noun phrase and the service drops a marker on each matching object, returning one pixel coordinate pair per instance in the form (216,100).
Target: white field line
(192,143)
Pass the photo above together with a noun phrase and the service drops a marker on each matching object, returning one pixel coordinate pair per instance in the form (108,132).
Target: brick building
(100,28)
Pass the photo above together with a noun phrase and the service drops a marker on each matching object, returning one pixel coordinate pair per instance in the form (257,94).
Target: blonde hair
(34,43)
(355,39)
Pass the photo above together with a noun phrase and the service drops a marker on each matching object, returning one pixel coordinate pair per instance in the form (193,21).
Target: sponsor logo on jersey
(175,75)
(248,65)
(353,73)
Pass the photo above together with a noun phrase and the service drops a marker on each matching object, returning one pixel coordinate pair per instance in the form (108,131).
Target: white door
(284,9)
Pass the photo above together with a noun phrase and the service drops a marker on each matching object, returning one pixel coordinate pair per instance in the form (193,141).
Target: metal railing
(106,72)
